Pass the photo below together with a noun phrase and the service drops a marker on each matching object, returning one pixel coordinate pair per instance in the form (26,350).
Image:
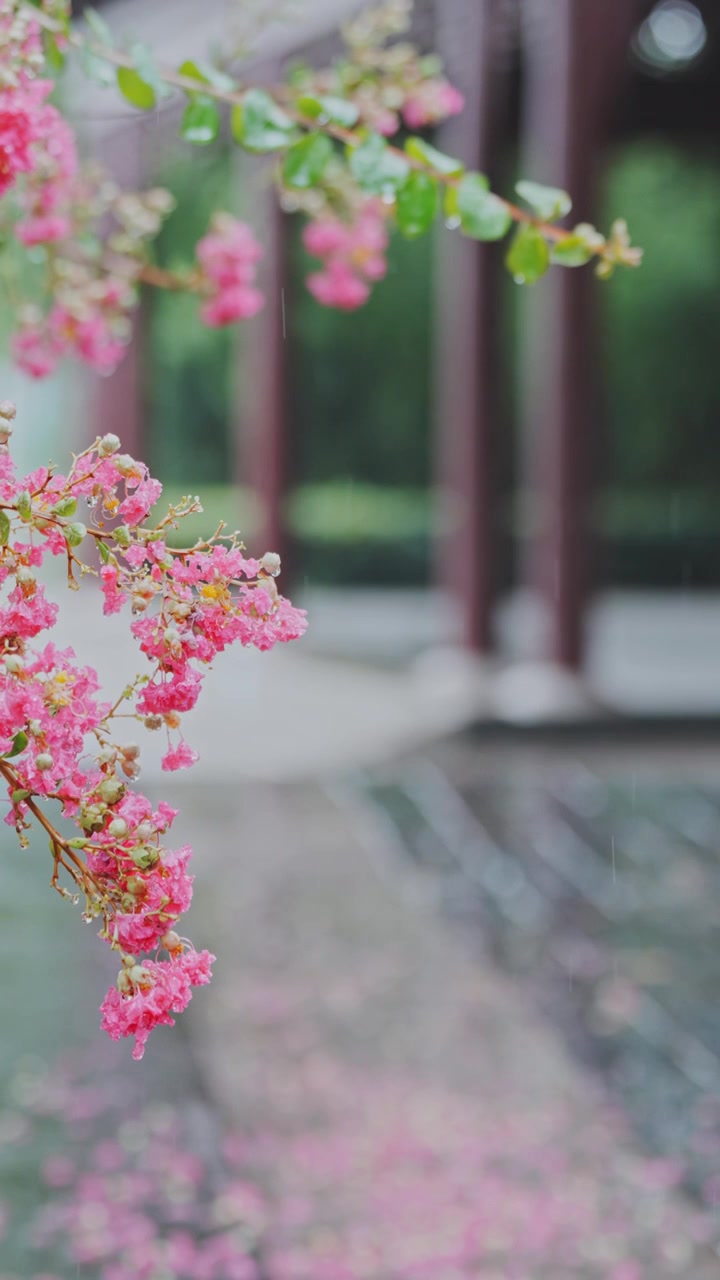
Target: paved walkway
(405,1110)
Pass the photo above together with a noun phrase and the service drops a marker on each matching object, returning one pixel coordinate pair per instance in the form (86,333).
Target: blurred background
(457,850)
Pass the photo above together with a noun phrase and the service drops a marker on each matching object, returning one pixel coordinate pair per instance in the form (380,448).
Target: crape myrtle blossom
(89,244)
(58,735)
(352,253)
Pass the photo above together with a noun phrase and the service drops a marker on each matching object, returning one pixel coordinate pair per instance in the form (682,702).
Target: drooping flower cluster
(352,253)
(228,255)
(56,736)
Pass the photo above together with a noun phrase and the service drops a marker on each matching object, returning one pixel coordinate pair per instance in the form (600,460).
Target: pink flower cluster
(430,102)
(188,606)
(228,256)
(353,256)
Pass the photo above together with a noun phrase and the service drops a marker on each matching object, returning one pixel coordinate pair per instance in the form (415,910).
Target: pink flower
(325,237)
(231,304)
(136,506)
(337,286)
(35,351)
(164,987)
(18,131)
(227,256)
(431,102)
(353,254)
(114,598)
(180,757)
(43,228)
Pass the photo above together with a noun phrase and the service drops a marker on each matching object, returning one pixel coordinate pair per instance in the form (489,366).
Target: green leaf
(306,161)
(21,793)
(548,202)
(54,55)
(259,124)
(98,26)
(146,67)
(104,550)
(339,111)
(417,204)
(214,76)
(571,252)
(4,528)
(482,215)
(191,71)
(97,69)
(19,744)
(201,121)
(335,110)
(375,167)
(434,159)
(74,533)
(135,90)
(528,257)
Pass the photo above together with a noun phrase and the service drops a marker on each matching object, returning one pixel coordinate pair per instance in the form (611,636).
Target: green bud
(74,533)
(111,790)
(145,858)
(24,505)
(122,535)
(67,506)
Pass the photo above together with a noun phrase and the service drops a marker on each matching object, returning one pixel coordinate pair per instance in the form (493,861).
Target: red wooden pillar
(467,330)
(574,52)
(117,402)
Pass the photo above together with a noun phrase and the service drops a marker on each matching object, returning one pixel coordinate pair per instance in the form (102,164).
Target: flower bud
(118,828)
(153,722)
(172,719)
(109,444)
(124,983)
(171,941)
(14,664)
(7,410)
(111,789)
(43,762)
(145,858)
(270,563)
(107,755)
(126,465)
(140,977)
(122,535)
(145,831)
(25,576)
(5,430)
(23,502)
(74,533)
(131,751)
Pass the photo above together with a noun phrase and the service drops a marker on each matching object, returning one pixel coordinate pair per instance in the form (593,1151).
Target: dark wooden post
(574,52)
(467,330)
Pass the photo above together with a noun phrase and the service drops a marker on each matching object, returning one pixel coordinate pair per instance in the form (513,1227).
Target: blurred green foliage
(361,388)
